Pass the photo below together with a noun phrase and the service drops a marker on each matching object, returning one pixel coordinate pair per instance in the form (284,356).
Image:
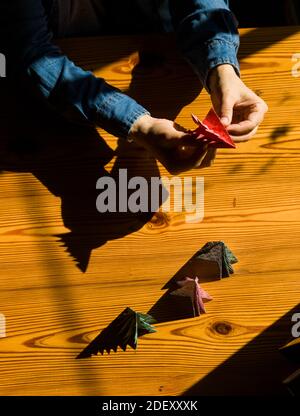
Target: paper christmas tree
(121,332)
(218,252)
(190,288)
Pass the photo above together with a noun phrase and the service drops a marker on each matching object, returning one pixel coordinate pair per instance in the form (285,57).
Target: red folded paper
(212,131)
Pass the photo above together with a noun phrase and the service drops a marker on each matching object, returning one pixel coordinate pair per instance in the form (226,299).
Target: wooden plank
(53,309)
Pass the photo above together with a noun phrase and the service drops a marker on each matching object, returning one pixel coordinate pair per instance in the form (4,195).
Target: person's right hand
(171,144)
(241,111)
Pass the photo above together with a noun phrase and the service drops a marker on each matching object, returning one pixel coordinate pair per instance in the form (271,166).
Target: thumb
(226,111)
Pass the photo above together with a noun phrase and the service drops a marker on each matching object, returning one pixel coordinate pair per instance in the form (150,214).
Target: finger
(245,137)
(255,117)
(226,111)
(242,128)
(199,156)
(184,159)
(190,140)
(179,127)
(209,158)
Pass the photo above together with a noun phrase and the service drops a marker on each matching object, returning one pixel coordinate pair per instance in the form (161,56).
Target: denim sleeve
(77,94)
(207,34)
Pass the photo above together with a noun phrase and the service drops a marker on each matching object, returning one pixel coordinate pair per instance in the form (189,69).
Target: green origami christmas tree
(122,331)
(218,251)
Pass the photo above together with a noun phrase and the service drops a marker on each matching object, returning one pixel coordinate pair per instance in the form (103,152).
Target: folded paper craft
(123,331)
(218,251)
(191,288)
(212,131)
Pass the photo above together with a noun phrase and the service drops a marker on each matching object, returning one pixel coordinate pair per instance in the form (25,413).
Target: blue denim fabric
(206,32)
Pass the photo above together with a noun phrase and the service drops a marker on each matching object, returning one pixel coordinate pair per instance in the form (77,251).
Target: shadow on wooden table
(170,308)
(256,369)
(260,38)
(68,160)
(164,89)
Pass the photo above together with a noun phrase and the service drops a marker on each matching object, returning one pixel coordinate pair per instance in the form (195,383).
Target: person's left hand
(240,109)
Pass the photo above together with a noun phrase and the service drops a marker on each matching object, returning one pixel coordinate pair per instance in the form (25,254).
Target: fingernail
(225,121)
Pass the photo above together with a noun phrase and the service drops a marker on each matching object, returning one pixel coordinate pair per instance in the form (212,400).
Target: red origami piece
(212,131)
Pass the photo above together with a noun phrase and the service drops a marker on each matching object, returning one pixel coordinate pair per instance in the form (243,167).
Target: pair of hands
(240,109)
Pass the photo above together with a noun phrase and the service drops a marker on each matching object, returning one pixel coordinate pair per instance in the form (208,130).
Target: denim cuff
(83,98)
(211,54)
(117,113)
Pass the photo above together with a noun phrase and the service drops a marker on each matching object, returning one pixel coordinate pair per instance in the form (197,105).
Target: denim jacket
(206,33)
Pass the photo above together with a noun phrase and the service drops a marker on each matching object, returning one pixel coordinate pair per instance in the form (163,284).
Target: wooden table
(66,272)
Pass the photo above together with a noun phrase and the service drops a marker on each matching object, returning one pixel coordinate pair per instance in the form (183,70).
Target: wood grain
(53,309)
